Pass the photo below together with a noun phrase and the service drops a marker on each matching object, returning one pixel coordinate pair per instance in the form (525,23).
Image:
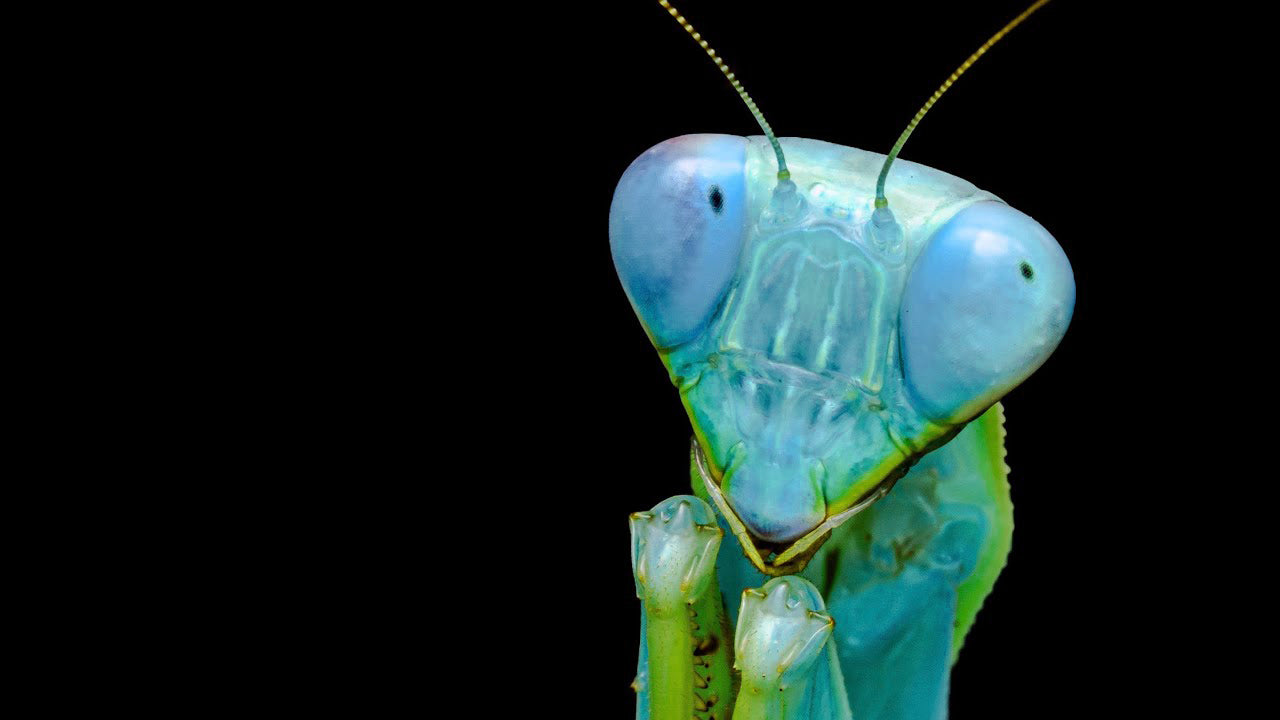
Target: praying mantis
(840,328)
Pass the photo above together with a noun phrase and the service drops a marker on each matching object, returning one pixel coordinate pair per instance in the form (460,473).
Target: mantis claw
(781,631)
(673,552)
(684,663)
(782,635)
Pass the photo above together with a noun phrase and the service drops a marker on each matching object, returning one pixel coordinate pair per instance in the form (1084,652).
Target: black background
(394,407)
(566,421)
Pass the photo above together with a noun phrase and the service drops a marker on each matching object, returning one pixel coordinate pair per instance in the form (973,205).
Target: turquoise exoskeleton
(841,364)
(820,358)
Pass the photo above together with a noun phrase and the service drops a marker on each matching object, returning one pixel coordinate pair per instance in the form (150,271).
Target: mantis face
(818,351)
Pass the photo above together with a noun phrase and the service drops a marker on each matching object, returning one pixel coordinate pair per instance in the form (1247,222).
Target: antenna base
(886,233)
(785,206)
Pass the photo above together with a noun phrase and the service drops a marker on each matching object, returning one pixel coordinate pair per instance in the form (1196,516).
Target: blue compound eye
(676,229)
(987,301)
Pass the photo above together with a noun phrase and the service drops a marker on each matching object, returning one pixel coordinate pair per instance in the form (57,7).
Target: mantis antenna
(783,173)
(881,201)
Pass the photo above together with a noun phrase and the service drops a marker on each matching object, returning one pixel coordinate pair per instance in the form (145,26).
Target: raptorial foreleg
(784,650)
(684,667)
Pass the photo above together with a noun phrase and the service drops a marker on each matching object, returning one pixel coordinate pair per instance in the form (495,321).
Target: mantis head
(822,343)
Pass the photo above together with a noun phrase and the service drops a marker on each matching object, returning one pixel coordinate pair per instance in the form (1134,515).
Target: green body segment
(978,455)
(907,577)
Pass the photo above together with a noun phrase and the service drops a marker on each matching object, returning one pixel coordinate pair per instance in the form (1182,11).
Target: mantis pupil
(717,199)
(1027,272)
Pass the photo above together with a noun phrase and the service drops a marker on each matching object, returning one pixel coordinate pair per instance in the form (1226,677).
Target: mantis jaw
(796,556)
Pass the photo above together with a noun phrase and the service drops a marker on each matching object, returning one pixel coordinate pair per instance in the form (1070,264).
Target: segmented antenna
(783,173)
(881,200)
